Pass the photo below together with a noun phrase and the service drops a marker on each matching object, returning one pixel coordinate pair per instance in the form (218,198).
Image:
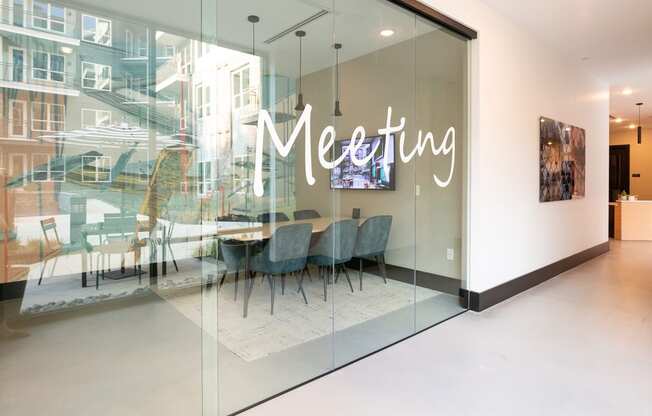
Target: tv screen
(371,175)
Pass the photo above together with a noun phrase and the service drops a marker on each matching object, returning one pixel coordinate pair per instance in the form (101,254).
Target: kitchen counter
(633,220)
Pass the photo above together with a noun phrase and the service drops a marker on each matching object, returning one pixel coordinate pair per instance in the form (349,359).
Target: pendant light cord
(300,64)
(337,72)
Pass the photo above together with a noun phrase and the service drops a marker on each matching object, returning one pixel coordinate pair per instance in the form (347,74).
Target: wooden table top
(265,231)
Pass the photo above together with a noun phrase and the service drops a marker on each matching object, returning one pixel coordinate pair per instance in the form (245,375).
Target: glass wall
(211,208)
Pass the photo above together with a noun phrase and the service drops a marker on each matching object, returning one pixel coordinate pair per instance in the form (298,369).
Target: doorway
(618,178)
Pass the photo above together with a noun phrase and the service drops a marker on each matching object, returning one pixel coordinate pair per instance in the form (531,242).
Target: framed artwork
(562,161)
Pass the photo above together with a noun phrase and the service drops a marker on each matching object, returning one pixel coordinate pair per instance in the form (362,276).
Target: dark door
(618,177)
(618,170)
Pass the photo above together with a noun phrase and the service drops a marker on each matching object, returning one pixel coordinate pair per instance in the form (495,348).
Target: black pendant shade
(639,129)
(338,111)
(300,105)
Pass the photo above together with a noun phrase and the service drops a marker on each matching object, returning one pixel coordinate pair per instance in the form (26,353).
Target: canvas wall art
(562,161)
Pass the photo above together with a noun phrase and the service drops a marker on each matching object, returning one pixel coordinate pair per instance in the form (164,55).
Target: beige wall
(432,99)
(640,160)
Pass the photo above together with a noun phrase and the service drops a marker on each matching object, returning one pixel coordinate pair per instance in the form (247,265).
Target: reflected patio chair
(285,253)
(306,214)
(119,236)
(334,249)
(54,247)
(372,239)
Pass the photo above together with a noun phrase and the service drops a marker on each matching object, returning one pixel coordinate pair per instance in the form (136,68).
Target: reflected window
(48,66)
(135,45)
(44,168)
(47,16)
(205,185)
(96,76)
(95,118)
(17,125)
(203,101)
(96,30)
(242,91)
(48,117)
(185,60)
(96,169)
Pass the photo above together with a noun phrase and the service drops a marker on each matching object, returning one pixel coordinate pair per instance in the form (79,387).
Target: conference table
(247,233)
(251,235)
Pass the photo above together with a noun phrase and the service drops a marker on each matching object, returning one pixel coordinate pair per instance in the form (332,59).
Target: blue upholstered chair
(285,253)
(232,253)
(373,235)
(334,248)
(268,217)
(306,214)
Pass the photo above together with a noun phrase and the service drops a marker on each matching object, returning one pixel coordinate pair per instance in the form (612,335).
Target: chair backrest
(373,235)
(119,225)
(289,242)
(306,214)
(338,241)
(268,217)
(231,252)
(49,227)
(234,218)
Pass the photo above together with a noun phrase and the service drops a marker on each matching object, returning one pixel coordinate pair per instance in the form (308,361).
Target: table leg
(84,261)
(248,282)
(164,263)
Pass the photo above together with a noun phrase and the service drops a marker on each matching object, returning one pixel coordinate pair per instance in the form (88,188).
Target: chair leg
(40,279)
(173,259)
(348,279)
(221,281)
(235,296)
(360,274)
(282,284)
(307,269)
(322,274)
(383,269)
(337,274)
(270,279)
(303,293)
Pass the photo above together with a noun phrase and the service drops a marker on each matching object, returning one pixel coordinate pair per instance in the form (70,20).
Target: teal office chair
(334,249)
(372,239)
(55,248)
(285,253)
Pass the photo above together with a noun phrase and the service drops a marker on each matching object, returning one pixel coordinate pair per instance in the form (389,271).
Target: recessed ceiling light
(618,120)
(386,33)
(627,91)
(66,49)
(632,126)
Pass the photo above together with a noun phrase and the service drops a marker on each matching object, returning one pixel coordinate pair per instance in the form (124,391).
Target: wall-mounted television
(372,175)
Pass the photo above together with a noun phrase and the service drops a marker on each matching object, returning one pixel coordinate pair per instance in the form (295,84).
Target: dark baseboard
(403,274)
(483,300)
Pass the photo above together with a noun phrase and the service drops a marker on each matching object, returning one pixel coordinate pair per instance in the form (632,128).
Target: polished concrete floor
(579,344)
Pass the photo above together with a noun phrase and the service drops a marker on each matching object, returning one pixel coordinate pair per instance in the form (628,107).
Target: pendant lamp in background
(300,106)
(639,129)
(253,19)
(338,111)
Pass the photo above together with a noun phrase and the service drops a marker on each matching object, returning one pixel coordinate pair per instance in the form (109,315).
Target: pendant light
(639,129)
(253,19)
(338,111)
(300,106)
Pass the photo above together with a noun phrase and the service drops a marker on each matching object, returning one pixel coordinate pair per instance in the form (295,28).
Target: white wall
(515,79)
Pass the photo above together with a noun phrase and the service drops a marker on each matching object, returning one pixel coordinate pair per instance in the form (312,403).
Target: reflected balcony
(28,78)
(20,21)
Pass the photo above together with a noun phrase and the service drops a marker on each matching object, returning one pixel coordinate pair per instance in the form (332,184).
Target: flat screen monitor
(372,175)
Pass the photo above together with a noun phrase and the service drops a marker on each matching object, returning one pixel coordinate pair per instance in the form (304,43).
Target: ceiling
(355,24)
(610,39)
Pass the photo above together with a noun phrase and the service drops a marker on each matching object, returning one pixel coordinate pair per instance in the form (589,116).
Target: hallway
(578,344)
